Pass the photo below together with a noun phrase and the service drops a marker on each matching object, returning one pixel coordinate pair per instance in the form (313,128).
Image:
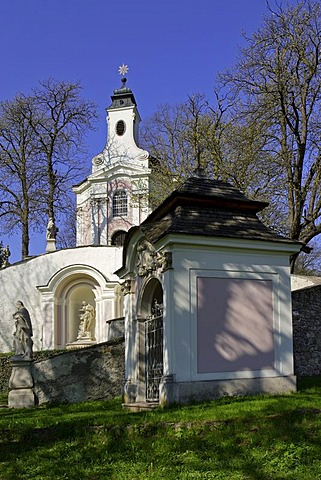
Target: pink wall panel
(234,324)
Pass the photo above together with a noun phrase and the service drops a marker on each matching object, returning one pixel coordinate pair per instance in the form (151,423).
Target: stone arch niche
(68,311)
(62,299)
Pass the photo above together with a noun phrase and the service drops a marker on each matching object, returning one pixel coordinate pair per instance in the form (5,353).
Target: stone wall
(72,376)
(5,372)
(306,307)
(92,373)
(6,365)
(115,328)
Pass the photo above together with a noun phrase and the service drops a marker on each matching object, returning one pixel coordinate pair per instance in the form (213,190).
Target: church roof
(123,97)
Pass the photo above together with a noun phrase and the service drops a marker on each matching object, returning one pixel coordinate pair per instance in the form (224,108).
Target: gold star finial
(123,69)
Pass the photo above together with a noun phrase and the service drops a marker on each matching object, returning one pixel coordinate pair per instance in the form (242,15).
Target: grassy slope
(257,438)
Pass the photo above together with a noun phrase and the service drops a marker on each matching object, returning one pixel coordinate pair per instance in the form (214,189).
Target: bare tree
(276,83)
(20,176)
(68,230)
(41,155)
(59,119)
(197,134)
(180,139)
(309,264)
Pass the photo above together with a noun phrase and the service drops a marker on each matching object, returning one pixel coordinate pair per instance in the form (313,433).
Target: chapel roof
(200,191)
(203,207)
(212,208)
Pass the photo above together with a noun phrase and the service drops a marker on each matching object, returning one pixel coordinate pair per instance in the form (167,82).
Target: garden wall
(92,373)
(98,372)
(6,366)
(306,308)
(72,376)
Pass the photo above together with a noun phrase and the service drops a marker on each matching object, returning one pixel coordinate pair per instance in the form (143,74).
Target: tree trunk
(25,240)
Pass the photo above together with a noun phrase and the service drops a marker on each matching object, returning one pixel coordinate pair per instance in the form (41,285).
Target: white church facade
(109,202)
(115,196)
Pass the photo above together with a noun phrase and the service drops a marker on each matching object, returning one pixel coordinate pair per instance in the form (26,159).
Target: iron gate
(154,352)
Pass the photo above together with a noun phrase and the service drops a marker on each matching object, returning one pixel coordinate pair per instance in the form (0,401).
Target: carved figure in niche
(81,315)
(146,258)
(87,318)
(22,341)
(165,261)
(4,256)
(52,230)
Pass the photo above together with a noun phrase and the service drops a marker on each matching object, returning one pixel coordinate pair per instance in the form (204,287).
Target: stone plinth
(51,245)
(81,343)
(23,398)
(21,383)
(168,390)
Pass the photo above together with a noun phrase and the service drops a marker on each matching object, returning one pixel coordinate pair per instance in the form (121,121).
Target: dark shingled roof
(208,208)
(212,188)
(209,222)
(201,206)
(203,193)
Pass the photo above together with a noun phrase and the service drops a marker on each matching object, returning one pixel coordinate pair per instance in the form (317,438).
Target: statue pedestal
(21,393)
(81,343)
(51,245)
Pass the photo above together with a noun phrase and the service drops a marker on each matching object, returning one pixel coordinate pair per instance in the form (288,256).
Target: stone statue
(22,341)
(81,318)
(52,230)
(4,256)
(87,318)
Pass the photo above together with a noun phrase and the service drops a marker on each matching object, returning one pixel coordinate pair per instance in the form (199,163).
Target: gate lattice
(154,352)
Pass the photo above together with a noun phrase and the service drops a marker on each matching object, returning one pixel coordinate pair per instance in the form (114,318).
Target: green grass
(253,438)
(4,398)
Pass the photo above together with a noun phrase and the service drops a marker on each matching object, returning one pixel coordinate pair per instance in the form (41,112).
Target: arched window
(120,204)
(118,238)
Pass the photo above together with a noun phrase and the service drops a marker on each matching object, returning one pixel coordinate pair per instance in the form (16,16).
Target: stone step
(140,406)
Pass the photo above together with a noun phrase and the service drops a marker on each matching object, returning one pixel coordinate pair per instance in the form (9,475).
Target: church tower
(114,197)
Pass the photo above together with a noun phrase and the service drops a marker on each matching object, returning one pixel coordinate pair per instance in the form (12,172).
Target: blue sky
(172,47)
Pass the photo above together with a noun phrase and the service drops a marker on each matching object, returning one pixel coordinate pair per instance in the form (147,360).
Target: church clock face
(120,128)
